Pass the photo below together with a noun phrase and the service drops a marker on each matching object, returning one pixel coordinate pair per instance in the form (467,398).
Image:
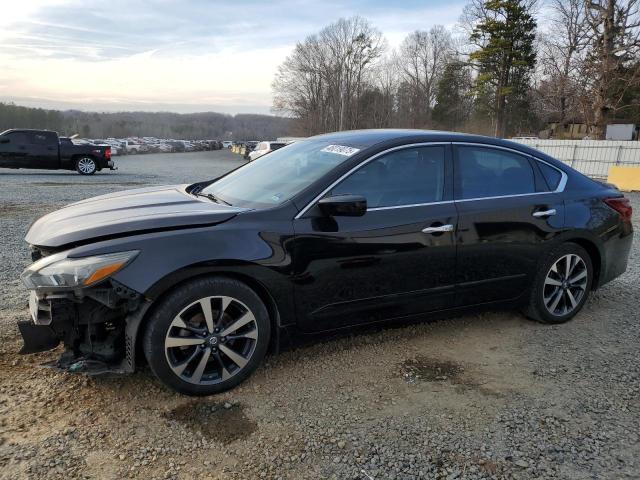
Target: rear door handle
(544,213)
(440,229)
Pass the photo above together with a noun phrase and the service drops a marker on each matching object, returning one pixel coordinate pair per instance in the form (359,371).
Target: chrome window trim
(502,196)
(391,207)
(362,164)
(559,189)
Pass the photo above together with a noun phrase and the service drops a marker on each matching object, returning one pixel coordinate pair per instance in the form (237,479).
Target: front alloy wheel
(211,340)
(207,336)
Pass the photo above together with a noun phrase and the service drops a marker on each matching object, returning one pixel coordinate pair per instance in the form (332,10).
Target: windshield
(275,178)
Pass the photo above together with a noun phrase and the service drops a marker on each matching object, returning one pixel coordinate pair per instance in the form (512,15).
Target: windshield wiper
(212,197)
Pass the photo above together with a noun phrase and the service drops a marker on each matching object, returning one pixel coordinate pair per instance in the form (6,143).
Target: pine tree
(452,99)
(505,34)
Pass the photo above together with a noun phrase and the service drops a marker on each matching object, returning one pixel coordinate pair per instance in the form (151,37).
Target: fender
(249,274)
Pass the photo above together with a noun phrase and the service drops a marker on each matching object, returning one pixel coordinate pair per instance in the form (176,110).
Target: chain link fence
(591,157)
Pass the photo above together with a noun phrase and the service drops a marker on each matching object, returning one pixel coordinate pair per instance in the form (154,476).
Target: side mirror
(343,206)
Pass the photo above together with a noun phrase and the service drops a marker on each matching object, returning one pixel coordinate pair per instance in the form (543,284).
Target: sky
(180,56)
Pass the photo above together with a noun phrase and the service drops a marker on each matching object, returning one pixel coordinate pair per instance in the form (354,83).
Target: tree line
(206,125)
(498,72)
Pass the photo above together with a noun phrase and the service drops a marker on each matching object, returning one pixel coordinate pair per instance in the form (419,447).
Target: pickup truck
(26,148)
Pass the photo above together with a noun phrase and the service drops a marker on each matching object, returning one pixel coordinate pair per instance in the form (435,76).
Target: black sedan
(332,232)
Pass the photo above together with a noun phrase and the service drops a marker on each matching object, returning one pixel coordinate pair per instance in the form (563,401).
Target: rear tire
(86,166)
(562,285)
(207,336)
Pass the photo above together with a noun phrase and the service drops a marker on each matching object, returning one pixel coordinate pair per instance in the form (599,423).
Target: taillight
(622,206)
(107,153)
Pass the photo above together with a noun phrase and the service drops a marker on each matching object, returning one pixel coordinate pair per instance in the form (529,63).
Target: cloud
(190,53)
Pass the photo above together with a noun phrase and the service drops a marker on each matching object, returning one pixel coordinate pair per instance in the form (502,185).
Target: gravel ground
(491,395)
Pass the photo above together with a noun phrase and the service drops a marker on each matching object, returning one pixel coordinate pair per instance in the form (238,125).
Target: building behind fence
(591,157)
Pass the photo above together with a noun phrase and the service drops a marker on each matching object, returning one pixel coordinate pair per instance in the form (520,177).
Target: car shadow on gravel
(391,331)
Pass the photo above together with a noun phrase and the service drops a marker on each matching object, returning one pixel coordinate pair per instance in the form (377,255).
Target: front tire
(86,166)
(207,336)
(562,285)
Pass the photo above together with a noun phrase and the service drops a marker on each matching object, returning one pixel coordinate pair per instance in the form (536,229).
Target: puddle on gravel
(429,370)
(214,421)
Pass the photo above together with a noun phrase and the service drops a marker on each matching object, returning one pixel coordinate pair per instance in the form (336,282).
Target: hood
(127,213)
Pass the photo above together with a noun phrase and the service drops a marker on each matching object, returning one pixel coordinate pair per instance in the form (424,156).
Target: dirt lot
(491,395)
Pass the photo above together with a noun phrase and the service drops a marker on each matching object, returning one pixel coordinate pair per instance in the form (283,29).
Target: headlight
(59,272)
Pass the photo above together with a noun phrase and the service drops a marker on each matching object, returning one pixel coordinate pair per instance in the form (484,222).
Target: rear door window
(37,138)
(42,138)
(483,172)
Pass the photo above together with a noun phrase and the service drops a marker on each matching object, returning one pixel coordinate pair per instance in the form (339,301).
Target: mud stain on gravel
(429,370)
(424,369)
(214,421)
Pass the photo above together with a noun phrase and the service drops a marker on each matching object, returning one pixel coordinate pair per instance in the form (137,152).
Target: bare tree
(322,81)
(354,45)
(300,85)
(379,104)
(613,66)
(563,49)
(423,57)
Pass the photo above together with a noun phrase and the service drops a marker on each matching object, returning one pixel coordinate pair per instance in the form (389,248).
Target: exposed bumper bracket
(37,338)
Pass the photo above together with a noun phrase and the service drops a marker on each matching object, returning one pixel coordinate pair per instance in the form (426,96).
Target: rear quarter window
(551,175)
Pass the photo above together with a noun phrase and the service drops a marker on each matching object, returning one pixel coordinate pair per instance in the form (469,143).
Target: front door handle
(440,229)
(544,213)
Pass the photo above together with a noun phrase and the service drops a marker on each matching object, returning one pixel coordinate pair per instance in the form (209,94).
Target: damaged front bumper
(98,328)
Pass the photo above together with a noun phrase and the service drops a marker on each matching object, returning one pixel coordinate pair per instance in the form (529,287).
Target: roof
(368,138)
(26,130)
(384,138)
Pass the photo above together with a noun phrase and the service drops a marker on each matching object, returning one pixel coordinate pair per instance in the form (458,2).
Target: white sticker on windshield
(341,150)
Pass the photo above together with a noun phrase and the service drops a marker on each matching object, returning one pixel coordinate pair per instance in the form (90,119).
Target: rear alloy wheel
(208,336)
(86,166)
(562,286)
(565,285)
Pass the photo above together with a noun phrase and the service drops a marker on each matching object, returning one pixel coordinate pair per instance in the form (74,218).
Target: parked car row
(251,149)
(136,145)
